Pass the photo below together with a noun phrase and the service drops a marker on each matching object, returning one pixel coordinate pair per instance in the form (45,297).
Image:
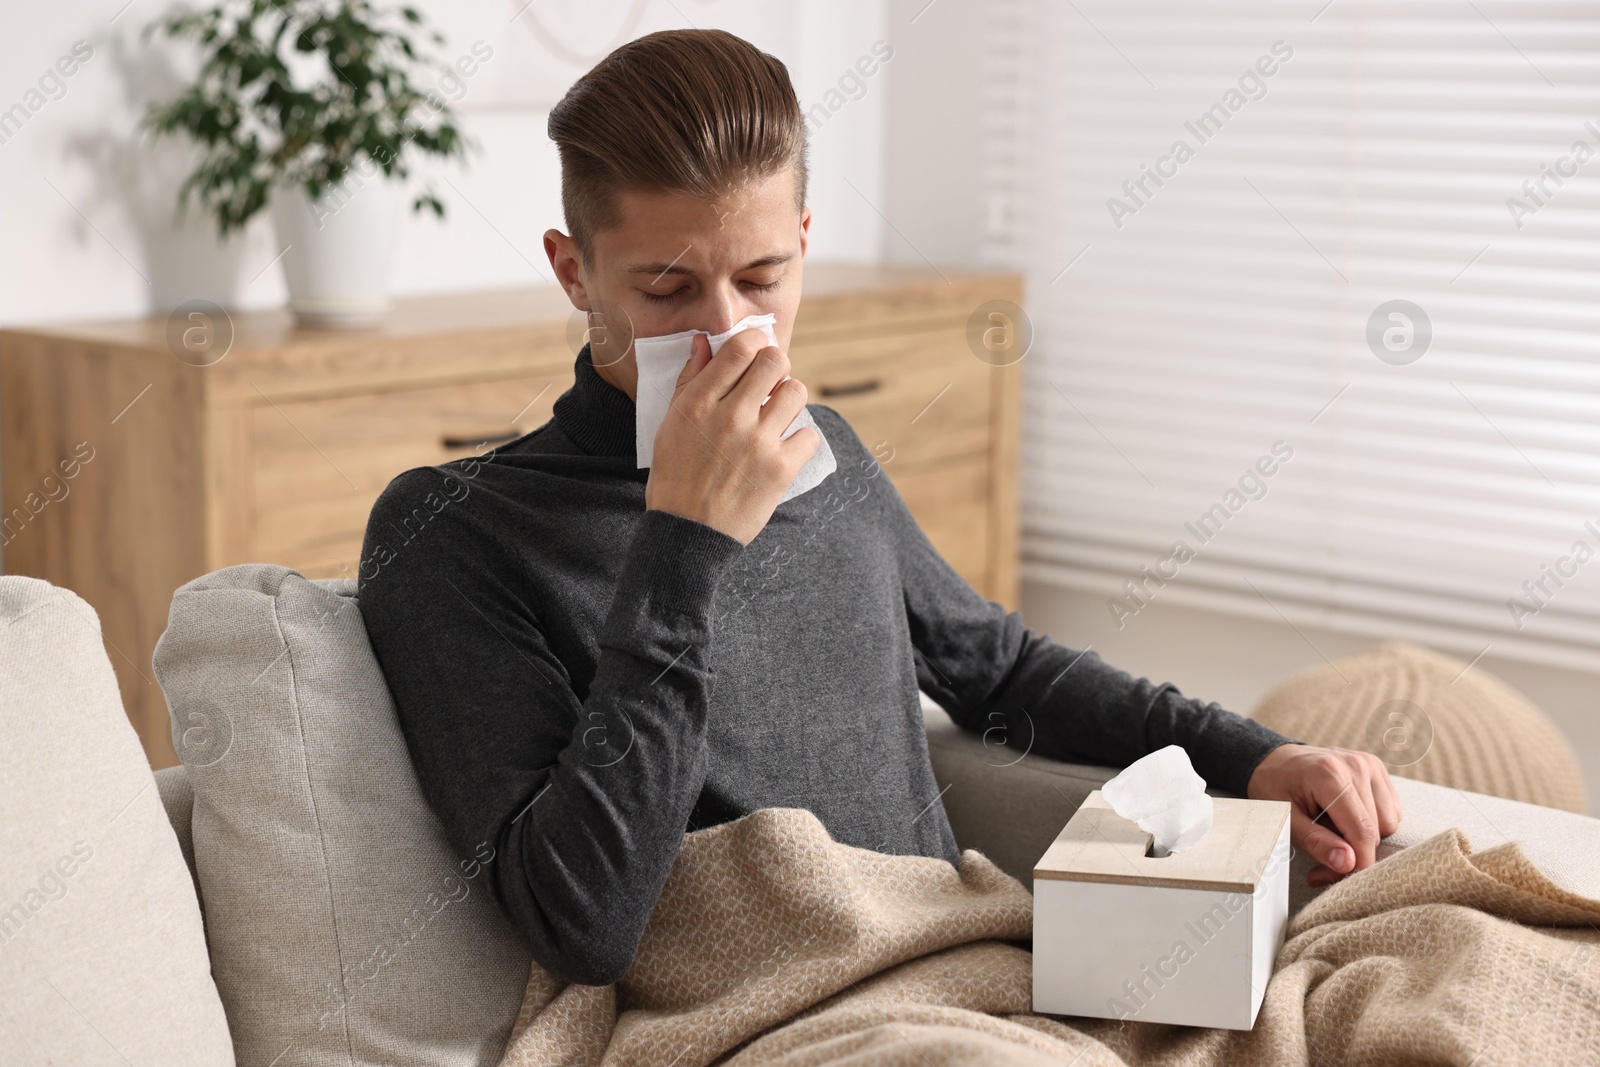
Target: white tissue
(661,360)
(1165,796)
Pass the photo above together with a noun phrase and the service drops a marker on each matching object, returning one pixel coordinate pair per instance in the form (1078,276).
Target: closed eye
(661,298)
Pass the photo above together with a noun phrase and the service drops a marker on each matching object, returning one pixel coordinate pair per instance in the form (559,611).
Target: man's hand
(719,455)
(1344,787)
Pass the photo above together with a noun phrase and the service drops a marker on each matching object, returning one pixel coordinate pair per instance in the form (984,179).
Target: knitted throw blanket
(773,944)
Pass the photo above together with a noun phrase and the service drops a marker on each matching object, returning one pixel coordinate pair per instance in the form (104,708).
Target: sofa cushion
(102,951)
(344,928)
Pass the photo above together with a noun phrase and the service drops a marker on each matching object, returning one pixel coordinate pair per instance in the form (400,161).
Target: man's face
(674,262)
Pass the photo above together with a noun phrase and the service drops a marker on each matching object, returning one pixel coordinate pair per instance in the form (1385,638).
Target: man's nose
(721,310)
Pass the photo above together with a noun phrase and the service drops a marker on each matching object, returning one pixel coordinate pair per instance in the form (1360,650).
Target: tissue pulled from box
(1164,794)
(660,360)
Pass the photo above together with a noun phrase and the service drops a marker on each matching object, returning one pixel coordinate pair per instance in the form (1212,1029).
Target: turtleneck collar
(594,414)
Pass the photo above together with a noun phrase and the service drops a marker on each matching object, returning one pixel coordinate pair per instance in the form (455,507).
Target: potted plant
(311,108)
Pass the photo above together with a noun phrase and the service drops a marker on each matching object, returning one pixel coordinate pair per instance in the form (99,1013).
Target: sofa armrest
(1011,809)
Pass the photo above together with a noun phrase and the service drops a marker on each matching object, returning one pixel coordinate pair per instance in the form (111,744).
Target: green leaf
(255,128)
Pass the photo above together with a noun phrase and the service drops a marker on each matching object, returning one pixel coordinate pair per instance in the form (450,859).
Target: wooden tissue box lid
(1098,845)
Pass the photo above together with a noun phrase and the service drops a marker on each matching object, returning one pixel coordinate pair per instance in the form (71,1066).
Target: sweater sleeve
(584,801)
(1021,689)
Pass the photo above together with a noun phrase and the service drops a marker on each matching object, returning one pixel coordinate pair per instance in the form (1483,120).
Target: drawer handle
(854,388)
(480,439)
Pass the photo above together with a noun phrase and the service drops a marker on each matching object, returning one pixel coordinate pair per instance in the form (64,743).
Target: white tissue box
(1188,938)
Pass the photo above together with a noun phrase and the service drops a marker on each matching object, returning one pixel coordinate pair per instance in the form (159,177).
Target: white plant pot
(339,249)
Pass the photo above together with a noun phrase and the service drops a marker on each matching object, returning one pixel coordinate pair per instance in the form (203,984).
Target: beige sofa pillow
(102,949)
(344,929)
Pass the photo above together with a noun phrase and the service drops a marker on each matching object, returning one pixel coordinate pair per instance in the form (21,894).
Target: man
(589,659)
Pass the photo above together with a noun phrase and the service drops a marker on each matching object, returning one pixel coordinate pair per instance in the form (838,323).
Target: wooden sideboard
(128,471)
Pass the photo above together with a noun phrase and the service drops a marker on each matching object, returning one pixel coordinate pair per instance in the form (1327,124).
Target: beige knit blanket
(773,944)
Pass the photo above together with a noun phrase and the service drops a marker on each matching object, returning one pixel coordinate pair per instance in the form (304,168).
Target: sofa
(287,897)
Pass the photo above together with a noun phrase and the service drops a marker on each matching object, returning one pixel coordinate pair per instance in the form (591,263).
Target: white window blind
(1216,199)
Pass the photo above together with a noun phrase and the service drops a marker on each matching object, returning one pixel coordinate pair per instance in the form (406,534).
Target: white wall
(934,145)
(86,201)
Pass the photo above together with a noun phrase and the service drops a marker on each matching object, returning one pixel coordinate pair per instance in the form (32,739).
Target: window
(1315,290)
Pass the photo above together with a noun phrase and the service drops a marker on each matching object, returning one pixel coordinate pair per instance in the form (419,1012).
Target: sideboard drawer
(320,464)
(918,396)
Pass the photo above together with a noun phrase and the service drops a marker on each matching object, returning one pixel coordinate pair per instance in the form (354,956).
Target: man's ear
(567,262)
(805,229)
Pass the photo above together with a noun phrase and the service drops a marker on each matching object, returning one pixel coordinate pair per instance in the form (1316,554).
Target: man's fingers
(770,367)
(788,400)
(1367,848)
(699,356)
(798,448)
(1342,802)
(732,360)
(725,370)
(1323,844)
(1388,801)
(1346,806)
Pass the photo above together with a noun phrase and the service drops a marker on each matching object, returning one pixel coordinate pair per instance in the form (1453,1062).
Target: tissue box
(1188,938)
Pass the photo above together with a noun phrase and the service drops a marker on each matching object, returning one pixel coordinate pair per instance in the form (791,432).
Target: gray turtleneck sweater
(580,681)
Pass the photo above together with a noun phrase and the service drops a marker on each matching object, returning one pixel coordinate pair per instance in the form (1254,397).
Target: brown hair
(691,111)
